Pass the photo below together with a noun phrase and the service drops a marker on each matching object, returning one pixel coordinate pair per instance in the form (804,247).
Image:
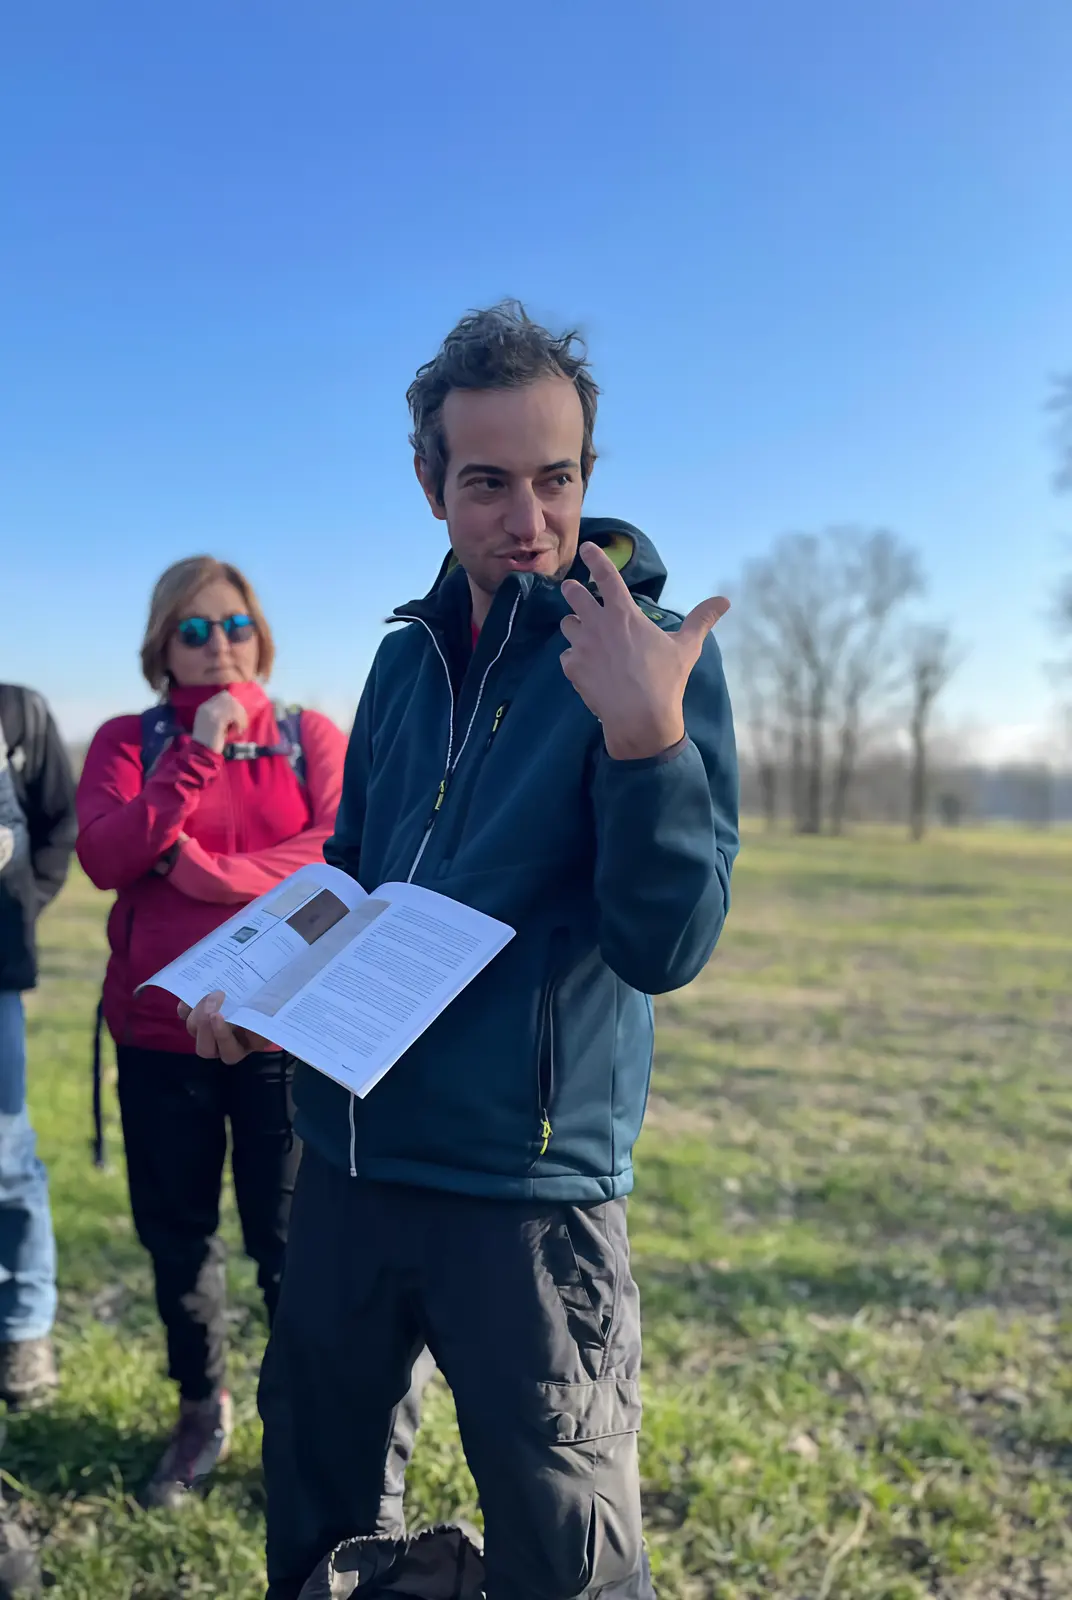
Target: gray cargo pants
(530,1311)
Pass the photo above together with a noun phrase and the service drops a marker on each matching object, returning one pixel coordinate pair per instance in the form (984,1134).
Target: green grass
(852,1232)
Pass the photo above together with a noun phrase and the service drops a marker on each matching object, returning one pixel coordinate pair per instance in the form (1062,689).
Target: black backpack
(160,727)
(444,1563)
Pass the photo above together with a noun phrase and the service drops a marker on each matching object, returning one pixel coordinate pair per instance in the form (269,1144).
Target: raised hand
(218,720)
(629,673)
(216,1039)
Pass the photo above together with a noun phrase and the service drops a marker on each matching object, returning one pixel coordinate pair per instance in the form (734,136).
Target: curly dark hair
(501,348)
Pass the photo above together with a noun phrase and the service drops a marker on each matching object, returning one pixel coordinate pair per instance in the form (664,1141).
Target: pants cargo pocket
(564,1517)
(576,1413)
(540,1341)
(586,1252)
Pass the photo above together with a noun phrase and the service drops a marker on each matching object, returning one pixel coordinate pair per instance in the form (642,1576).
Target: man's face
(513,493)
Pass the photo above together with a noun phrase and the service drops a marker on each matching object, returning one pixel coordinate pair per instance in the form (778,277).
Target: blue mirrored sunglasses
(195,632)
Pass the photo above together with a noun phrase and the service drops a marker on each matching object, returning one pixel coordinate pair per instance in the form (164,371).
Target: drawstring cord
(98,1112)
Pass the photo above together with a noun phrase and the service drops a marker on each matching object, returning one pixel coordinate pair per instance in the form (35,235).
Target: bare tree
(770,675)
(816,613)
(883,572)
(791,598)
(933,657)
(757,689)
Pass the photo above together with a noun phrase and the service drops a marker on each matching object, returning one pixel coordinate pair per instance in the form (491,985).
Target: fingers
(205,1040)
(199,1024)
(581,601)
(702,618)
(605,575)
(230,1046)
(214,1038)
(231,712)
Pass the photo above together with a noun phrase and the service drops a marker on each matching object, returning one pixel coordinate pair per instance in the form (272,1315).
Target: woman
(189,815)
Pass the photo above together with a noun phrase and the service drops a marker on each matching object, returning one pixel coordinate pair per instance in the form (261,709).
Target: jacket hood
(632,552)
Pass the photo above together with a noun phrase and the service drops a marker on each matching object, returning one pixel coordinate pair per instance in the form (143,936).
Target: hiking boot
(20,1569)
(28,1375)
(201,1440)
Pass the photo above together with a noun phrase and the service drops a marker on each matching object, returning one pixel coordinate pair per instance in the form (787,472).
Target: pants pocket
(563,1518)
(577,1413)
(587,1256)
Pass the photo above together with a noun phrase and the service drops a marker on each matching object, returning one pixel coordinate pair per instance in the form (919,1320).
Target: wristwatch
(165,863)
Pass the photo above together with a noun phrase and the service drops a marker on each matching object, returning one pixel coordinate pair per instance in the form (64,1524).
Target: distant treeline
(1028,793)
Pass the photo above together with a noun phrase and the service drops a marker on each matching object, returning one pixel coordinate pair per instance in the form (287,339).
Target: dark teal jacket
(616,876)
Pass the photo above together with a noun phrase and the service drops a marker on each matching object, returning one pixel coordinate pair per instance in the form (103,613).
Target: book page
(255,947)
(356,1016)
(272,996)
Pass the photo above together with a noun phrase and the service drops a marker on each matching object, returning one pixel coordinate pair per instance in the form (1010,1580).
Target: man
(567,766)
(40,785)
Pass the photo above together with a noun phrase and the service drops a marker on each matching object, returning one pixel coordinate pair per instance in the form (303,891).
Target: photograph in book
(344,980)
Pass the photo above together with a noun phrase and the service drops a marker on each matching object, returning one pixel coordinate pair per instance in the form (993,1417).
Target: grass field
(853,1235)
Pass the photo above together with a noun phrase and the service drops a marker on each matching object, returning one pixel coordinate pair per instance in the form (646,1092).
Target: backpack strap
(288,721)
(99,1154)
(25,721)
(159,729)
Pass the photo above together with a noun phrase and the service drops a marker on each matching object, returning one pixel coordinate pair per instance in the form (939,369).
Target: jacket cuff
(201,762)
(641,763)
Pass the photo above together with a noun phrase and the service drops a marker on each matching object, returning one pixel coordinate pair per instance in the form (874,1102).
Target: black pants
(532,1315)
(175,1111)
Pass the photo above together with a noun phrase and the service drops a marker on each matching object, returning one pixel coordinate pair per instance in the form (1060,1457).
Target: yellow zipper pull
(441,796)
(500,712)
(545,1134)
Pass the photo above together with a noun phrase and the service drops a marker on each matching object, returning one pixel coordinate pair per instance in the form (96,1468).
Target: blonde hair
(172,597)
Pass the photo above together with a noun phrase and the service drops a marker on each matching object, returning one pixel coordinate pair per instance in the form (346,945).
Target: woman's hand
(215,1037)
(217,719)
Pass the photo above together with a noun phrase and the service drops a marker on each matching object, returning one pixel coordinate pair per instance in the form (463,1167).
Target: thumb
(702,618)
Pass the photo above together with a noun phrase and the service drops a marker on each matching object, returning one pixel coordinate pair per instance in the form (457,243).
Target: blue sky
(822,252)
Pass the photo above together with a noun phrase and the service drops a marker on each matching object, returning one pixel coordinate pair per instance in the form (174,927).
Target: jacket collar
(448,603)
(186,699)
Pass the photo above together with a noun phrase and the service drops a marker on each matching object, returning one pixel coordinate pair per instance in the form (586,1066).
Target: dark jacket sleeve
(343,849)
(50,810)
(666,839)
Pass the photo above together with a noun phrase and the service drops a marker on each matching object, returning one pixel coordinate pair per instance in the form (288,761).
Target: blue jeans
(27,1247)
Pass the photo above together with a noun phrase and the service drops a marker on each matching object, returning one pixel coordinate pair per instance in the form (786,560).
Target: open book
(344,980)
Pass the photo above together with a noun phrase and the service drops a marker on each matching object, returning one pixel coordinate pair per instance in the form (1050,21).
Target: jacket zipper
(545,1067)
(444,782)
(452,759)
(545,1064)
(547,1084)
(500,712)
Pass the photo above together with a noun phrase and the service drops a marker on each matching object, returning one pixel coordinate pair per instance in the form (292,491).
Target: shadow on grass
(67,1453)
(80,1456)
